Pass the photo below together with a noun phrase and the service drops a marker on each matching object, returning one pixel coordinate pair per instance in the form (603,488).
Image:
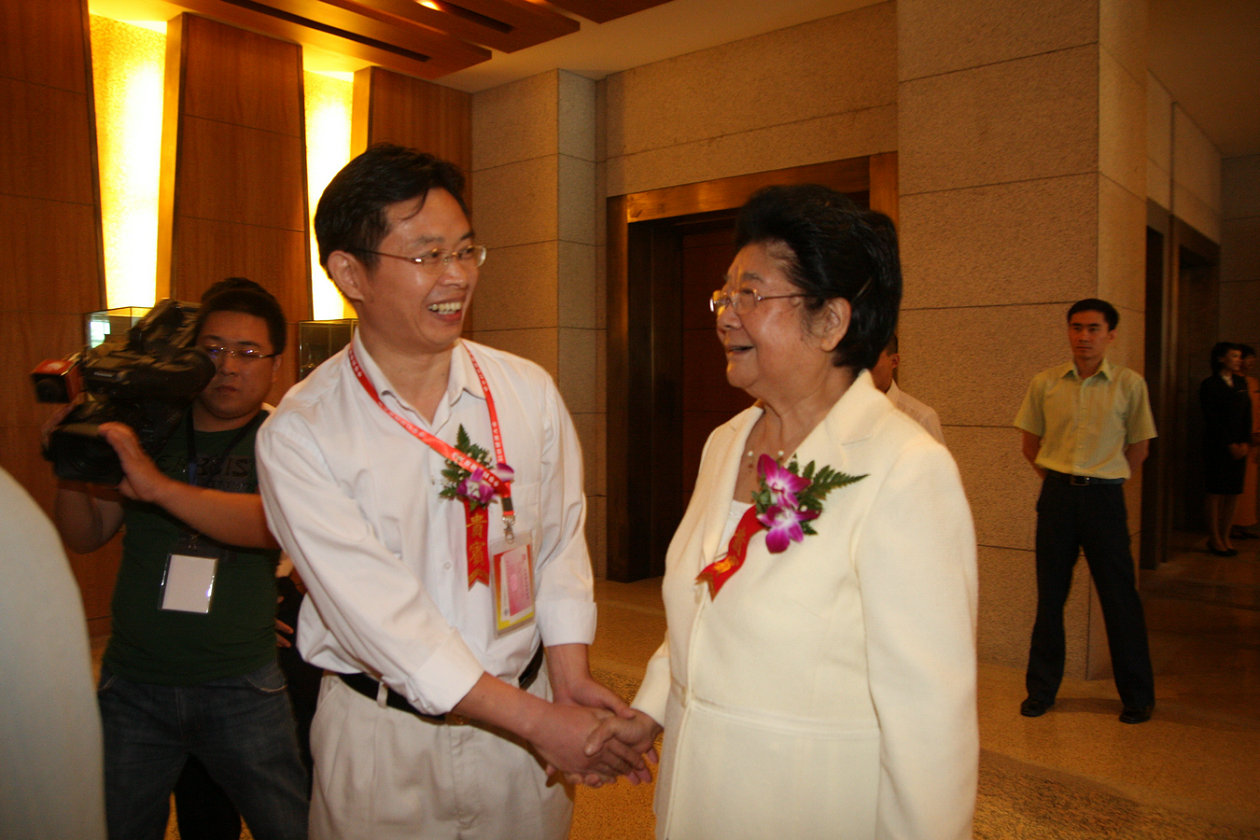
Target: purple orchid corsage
(473,487)
(790,498)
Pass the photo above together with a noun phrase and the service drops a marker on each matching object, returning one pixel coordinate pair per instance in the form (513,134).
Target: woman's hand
(627,734)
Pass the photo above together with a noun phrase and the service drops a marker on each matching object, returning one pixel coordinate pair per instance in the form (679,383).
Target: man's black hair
(1109,313)
(240,294)
(351,216)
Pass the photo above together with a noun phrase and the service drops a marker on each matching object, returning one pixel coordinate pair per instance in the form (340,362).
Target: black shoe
(1136,714)
(1240,533)
(1032,707)
(1222,552)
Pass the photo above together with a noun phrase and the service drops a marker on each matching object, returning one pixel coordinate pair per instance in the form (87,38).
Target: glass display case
(100,324)
(317,340)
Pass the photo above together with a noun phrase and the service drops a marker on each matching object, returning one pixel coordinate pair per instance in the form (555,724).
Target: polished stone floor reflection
(1192,772)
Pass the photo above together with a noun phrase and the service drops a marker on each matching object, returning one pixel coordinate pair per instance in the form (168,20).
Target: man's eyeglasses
(436,261)
(245,354)
(743,301)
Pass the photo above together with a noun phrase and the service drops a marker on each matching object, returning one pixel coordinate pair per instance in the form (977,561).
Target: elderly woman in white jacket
(818,679)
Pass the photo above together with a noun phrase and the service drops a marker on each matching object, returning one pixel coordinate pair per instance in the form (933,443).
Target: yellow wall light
(329,103)
(127,72)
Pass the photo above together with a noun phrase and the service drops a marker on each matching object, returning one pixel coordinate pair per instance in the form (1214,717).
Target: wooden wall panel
(52,143)
(50,215)
(241,78)
(234,168)
(259,187)
(29,337)
(389,107)
(52,259)
(270,251)
(45,43)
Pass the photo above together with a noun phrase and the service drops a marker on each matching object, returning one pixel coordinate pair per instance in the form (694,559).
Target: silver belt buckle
(1080,481)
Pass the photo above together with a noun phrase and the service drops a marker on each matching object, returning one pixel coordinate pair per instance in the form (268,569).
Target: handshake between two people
(586,733)
(608,739)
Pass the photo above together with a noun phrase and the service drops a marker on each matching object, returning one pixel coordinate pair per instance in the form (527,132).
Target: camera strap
(191,569)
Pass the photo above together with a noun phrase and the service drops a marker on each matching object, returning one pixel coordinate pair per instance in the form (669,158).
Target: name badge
(188,583)
(512,583)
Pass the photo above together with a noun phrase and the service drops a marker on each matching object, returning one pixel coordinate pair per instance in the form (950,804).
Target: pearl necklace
(752,460)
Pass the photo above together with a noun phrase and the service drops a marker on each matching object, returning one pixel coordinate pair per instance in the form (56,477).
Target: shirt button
(446,565)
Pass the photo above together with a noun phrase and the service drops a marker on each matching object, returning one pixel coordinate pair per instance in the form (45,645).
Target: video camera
(146,379)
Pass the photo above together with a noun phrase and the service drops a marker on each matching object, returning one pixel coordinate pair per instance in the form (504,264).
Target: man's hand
(142,480)
(588,692)
(585,691)
(634,733)
(284,634)
(561,736)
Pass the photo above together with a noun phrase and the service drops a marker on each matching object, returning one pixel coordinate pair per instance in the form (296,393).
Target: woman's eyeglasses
(743,301)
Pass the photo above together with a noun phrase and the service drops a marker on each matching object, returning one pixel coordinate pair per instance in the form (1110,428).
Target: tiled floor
(1193,771)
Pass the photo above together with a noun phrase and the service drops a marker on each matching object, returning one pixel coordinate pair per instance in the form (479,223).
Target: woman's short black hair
(837,250)
(350,215)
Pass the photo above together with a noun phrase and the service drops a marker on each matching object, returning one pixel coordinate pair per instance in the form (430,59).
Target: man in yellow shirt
(1086,426)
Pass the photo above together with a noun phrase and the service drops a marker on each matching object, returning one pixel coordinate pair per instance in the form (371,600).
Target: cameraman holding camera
(190,668)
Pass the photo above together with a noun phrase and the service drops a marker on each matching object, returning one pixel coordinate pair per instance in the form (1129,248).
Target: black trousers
(1091,517)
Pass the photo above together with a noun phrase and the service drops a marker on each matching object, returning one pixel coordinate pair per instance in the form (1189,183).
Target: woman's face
(767,343)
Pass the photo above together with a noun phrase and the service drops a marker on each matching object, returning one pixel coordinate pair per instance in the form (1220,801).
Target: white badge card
(188,583)
(512,582)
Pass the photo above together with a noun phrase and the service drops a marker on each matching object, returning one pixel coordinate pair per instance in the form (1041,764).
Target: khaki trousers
(385,774)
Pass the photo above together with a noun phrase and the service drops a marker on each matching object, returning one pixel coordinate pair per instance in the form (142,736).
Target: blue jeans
(240,728)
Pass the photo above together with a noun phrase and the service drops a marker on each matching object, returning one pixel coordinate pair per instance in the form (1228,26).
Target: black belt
(369,687)
(1081,480)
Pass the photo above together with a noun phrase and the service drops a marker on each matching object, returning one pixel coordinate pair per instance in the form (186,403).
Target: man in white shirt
(437,573)
(882,373)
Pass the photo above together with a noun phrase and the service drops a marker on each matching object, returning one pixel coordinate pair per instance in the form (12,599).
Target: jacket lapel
(851,420)
(725,459)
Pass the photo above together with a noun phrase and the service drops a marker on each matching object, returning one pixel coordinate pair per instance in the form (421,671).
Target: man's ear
(833,326)
(348,275)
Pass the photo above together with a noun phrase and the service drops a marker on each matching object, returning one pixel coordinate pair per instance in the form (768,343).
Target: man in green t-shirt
(190,669)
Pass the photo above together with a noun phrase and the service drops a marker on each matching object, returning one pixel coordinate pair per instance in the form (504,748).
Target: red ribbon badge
(718,572)
(477,526)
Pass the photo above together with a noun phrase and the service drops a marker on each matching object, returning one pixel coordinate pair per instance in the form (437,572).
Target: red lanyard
(501,487)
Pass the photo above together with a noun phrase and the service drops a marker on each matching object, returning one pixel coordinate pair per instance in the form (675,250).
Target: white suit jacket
(829,690)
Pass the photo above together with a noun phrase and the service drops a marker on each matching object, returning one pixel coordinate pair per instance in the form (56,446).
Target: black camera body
(146,380)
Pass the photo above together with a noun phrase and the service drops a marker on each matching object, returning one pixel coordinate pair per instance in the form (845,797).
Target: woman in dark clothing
(1226,438)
